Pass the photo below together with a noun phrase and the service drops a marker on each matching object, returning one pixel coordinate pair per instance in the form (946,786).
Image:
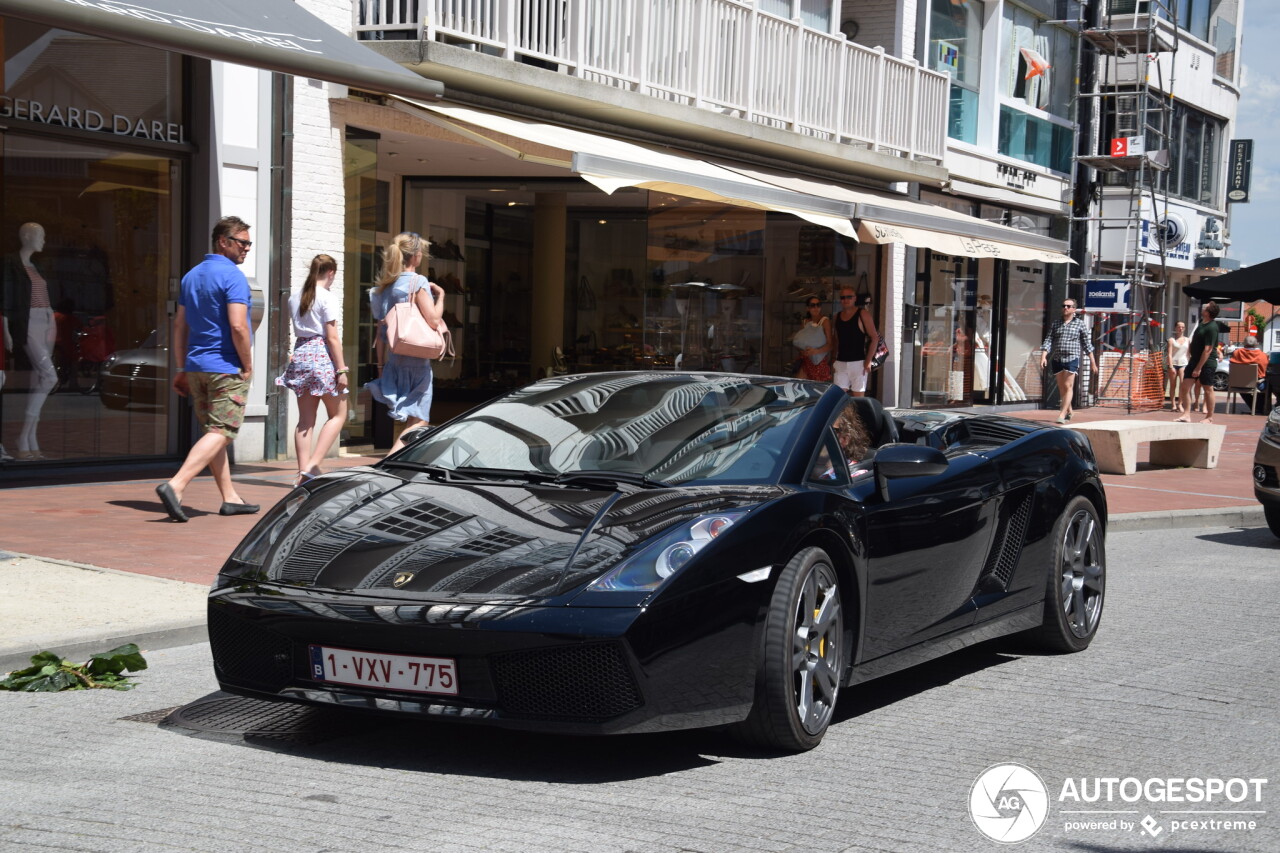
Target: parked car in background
(639,552)
(1266,470)
(137,377)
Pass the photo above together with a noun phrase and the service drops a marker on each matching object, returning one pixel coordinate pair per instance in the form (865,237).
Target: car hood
(430,540)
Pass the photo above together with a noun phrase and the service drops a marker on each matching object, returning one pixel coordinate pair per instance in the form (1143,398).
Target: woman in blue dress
(404,382)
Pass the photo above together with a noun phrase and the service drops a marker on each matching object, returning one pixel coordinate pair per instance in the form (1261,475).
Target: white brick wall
(319,200)
(318,195)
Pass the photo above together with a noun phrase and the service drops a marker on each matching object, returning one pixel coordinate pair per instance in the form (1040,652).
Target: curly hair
(852,434)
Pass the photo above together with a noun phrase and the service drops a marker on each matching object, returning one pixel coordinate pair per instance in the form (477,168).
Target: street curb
(1224,516)
(77,645)
(79,649)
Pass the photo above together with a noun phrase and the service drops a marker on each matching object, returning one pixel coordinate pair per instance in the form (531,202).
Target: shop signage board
(1239,171)
(1107,294)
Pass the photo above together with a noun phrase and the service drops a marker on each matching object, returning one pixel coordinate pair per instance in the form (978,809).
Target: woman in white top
(316,371)
(1176,353)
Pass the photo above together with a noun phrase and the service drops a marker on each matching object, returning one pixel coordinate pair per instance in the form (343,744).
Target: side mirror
(906,460)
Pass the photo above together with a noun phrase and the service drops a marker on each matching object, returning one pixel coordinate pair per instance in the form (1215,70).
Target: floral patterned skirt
(310,369)
(820,372)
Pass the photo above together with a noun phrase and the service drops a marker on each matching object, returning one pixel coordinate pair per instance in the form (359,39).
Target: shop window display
(88,230)
(90,377)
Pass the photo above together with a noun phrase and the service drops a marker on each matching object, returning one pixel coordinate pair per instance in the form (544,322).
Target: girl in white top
(1176,354)
(316,371)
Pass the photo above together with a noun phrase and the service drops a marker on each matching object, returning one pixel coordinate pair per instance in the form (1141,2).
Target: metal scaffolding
(1129,146)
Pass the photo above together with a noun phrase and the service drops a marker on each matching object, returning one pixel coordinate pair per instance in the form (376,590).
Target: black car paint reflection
(528,542)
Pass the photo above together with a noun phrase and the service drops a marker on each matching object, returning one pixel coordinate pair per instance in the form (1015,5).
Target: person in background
(213,345)
(316,371)
(856,338)
(1065,345)
(404,382)
(1202,364)
(1250,354)
(1176,363)
(815,343)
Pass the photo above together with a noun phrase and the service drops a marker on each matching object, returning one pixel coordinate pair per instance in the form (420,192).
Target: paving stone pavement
(1182,681)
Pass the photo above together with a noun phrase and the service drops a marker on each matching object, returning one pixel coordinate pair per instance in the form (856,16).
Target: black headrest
(879,426)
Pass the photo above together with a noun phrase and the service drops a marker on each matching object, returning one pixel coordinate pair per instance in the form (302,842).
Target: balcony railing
(720,55)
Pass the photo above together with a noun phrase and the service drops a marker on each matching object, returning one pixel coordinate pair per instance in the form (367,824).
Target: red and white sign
(1123,146)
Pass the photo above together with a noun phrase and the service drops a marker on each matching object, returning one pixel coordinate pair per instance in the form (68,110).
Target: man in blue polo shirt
(213,346)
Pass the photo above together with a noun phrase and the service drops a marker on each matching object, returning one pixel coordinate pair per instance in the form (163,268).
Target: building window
(814,14)
(1195,150)
(955,48)
(1225,16)
(1034,139)
(1037,63)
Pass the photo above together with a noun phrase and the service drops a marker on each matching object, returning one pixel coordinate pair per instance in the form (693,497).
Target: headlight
(105,367)
(253,550)
(652,565)
(1273,419)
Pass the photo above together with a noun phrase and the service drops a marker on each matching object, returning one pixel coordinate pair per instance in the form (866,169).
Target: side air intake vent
(1007,547)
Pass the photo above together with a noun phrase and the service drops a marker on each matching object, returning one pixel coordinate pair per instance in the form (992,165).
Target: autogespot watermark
(1009,803)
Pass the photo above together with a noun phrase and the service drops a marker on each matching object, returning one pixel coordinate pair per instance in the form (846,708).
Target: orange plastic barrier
(1131,381)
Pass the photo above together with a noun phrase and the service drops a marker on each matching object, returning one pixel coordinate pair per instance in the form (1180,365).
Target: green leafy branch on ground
(49,673)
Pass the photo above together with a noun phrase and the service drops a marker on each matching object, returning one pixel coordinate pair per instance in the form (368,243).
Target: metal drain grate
(254,719)
(151,716)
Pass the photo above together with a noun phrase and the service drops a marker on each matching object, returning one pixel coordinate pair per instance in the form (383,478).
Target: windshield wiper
(507,474)
(630,477)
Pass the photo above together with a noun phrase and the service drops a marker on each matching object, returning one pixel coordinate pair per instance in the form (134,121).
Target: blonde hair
(398,255)
(320,265)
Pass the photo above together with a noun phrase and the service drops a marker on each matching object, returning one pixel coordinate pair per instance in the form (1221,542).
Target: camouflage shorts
(219,400)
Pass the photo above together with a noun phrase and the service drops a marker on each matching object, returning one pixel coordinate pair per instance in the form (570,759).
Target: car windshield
(657,429)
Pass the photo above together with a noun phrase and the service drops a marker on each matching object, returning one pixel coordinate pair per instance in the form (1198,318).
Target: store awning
(610,164)
(613,163)
(275,35)
(887,218)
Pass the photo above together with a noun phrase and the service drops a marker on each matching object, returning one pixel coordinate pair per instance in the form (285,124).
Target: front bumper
(585,670)
(1266,465)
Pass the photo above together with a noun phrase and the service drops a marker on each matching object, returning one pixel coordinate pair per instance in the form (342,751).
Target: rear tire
(804,655)
(1077,579)
(1272,512)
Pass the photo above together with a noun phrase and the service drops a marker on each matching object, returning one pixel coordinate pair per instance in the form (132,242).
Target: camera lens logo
(1008,803)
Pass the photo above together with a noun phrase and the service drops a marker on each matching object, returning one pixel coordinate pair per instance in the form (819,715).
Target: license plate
(387,672)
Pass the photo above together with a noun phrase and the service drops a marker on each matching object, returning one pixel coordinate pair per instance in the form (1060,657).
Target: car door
(926,546)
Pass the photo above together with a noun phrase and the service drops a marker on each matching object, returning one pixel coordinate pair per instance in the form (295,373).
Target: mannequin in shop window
(982,344)
(29,324)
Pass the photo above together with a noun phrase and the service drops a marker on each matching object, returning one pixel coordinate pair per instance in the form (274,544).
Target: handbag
(409,333)
(880,356)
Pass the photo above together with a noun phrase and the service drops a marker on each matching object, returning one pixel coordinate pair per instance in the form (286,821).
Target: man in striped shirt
(1064,346)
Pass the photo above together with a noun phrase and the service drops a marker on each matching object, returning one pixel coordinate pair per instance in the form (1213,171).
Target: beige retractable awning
(613,163)
(887,218)
(610,164)
(275,35)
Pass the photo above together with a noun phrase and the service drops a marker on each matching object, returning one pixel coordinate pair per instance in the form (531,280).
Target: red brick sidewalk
(119,523)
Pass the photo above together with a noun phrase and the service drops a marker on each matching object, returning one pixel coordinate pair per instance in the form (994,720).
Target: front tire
(1272,512)
(799,677)
(1077,579)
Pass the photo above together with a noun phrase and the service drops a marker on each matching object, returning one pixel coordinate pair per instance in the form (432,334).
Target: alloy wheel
(816,649)
(1083,574)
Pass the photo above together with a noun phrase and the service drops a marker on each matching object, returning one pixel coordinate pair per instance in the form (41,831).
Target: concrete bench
(1115,443)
